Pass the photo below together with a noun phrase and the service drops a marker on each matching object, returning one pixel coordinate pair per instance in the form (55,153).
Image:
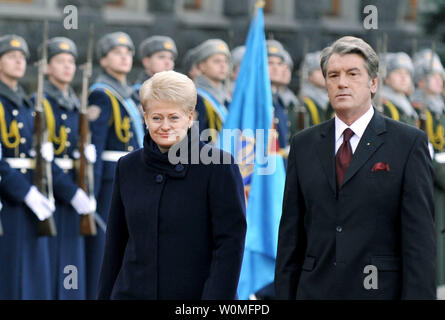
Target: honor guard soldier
(189,64)
(237,56)
(212,58)
(429,104)
(427,99)
(116,126)
(61,107)
(287,97)
(158,53)
(397,87)
(277,64)
(25,269)
(313,90)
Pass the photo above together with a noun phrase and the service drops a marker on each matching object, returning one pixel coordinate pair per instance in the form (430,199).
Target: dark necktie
(343,156)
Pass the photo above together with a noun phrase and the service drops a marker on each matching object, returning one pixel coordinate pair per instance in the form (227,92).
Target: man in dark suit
(358,213)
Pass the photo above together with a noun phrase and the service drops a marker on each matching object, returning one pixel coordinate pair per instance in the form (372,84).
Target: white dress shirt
(358,127)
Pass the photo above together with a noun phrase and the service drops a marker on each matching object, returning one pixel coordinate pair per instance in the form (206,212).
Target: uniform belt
(113,156)
(64,163)
(21,163)
(440,157)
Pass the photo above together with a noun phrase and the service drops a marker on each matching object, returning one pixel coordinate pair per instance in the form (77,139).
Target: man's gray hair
(350,45)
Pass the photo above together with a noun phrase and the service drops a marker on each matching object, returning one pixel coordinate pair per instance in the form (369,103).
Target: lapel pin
(368,144)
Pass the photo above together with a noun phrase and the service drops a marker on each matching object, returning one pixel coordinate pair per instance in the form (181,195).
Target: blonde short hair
(169,86)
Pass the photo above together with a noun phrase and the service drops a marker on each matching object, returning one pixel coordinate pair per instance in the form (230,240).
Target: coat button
(159,178)
(68,130)
(64,116)
(335,264)
(339,229)
(179,168)
(15,113)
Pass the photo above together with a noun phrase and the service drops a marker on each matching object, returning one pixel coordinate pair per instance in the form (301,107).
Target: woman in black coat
(175,231)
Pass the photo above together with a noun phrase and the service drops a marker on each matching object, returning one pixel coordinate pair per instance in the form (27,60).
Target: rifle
(42,173)
(382,48)
(302,115)
(85,174)
(423,110)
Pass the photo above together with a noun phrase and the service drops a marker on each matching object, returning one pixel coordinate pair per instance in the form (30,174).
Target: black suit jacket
(380,218)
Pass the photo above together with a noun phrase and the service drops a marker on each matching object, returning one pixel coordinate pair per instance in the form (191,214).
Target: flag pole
(259,4)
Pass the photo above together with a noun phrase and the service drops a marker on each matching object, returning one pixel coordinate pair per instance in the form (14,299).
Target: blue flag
(248,133)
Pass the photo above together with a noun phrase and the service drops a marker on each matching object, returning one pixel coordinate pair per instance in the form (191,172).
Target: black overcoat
(174,231)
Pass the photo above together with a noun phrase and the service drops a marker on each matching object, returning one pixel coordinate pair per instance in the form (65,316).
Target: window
(20,1)
(127,12)
(268,6)
(201,13)
(341,16)
(116,3)
(193,4)
(410,10)
(279,15)
(30,9)
(331,8)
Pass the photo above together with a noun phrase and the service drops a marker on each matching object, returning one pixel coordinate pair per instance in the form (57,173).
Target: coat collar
(18,97)
(370,142)
(69,102)
(159,162)
(124,90)
(219,94)
(143,76)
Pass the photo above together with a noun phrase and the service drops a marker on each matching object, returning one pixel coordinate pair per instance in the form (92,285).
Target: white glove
(39,204)
(90,153)
(47,151)
(82,203)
